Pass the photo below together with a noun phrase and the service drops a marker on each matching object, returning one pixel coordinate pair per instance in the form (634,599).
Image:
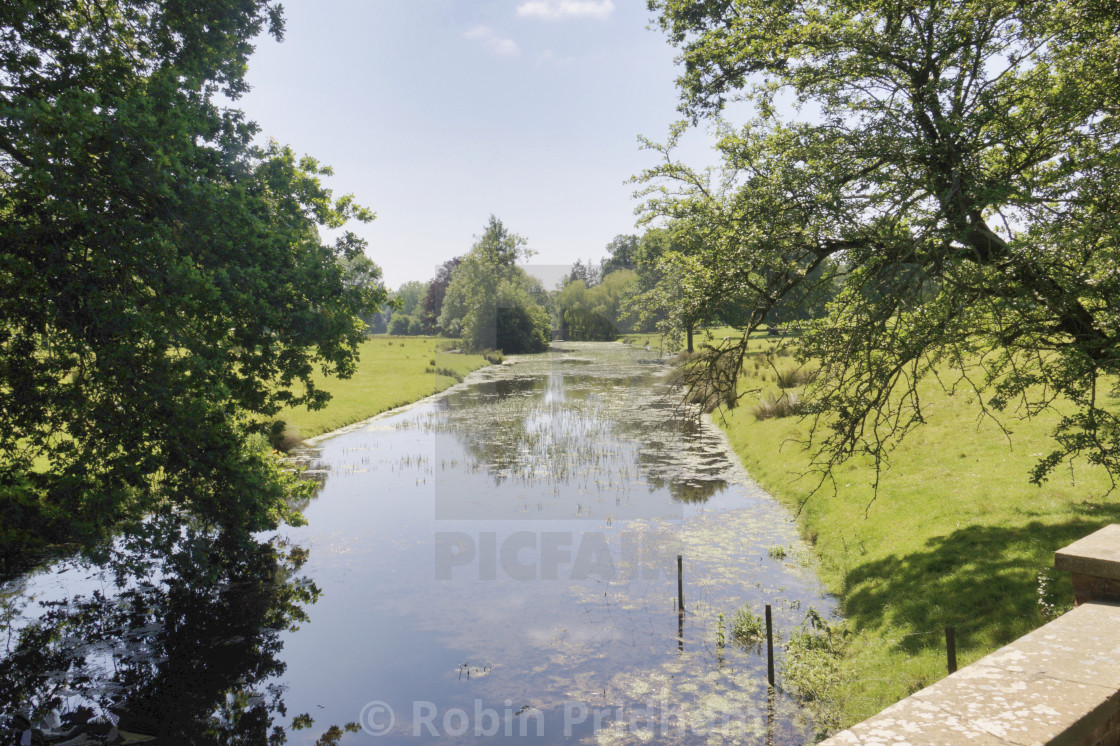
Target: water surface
(498,562)
(511,547)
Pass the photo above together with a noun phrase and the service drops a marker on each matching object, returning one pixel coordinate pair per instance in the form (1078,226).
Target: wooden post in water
(769,647)
(770,716)
(951,647)
(680,584)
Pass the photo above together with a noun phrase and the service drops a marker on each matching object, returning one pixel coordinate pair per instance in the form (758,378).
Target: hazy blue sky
(436,113)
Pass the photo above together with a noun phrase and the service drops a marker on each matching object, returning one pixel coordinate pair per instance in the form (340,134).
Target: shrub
(494,357)
(283,437)
(399,325)
(523,328)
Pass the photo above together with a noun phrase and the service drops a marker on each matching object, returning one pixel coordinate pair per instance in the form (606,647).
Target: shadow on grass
(981,579)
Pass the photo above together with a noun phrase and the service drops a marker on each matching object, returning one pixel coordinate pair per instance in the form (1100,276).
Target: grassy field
(957,536)
(654,340)
(393,371)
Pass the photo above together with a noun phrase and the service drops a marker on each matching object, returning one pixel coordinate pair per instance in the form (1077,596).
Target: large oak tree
(957,160)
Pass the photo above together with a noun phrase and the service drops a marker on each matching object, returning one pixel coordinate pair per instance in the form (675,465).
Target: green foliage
(623,254)
(957,177)
(673,282)
(164,289)
(398,325)
(596,313)
(811,667)
(437,289)
(747,628)
(490,301)
(410,297)
(359,271)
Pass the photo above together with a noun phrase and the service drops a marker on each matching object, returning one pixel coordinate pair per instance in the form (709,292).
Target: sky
(438,113)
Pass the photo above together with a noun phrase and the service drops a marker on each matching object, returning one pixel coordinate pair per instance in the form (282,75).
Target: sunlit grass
(392,371)
(956,536)
(713,335)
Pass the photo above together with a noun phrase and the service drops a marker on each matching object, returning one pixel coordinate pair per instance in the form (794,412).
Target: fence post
(680,583)
(951,647)
(769,647)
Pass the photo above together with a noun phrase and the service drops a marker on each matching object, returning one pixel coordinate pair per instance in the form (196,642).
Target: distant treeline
(487,301)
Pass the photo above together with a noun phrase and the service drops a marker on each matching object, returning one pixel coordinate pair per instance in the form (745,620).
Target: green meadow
(956,535)
(392,371)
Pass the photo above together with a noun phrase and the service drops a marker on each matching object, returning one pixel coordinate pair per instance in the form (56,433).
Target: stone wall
(1057,685)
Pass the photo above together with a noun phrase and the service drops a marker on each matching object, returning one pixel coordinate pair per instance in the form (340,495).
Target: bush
(398,325)
(494,357)
(523,328)
(415,327)
(283,437)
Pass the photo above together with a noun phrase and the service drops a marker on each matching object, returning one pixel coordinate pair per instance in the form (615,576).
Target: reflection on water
(499,561)
(180,642)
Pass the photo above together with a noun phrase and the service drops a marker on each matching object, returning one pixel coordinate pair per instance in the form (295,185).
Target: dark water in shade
(503,560)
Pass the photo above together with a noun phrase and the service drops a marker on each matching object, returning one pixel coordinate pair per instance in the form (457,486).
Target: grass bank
(655,341)
(957,536)
(392,371)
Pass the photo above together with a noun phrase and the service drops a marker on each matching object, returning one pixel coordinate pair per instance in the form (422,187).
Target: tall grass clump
(786,405)
(794,377)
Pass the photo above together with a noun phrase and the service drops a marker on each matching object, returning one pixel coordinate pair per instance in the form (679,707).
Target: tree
(623,254)
(163,286)
(362,272)
(410,296)
(437,289)
(961,166)
(674,294)
(588,273)
(489,302)
(596,313)
(398,325)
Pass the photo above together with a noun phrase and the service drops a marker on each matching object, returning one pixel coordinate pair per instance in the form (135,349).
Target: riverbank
(392,371)
(956,536)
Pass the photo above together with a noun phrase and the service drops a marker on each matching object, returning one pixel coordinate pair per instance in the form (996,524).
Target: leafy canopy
(956,161)
(490,301)
(163,284)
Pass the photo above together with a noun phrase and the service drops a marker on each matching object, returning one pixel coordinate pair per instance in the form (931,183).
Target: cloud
(493,41)
(553,10)
(548,57)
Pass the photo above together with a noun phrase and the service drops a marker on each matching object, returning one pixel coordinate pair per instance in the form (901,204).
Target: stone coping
(1097,555)
(1057,685)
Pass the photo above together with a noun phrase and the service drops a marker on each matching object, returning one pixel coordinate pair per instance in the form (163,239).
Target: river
(501,562)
